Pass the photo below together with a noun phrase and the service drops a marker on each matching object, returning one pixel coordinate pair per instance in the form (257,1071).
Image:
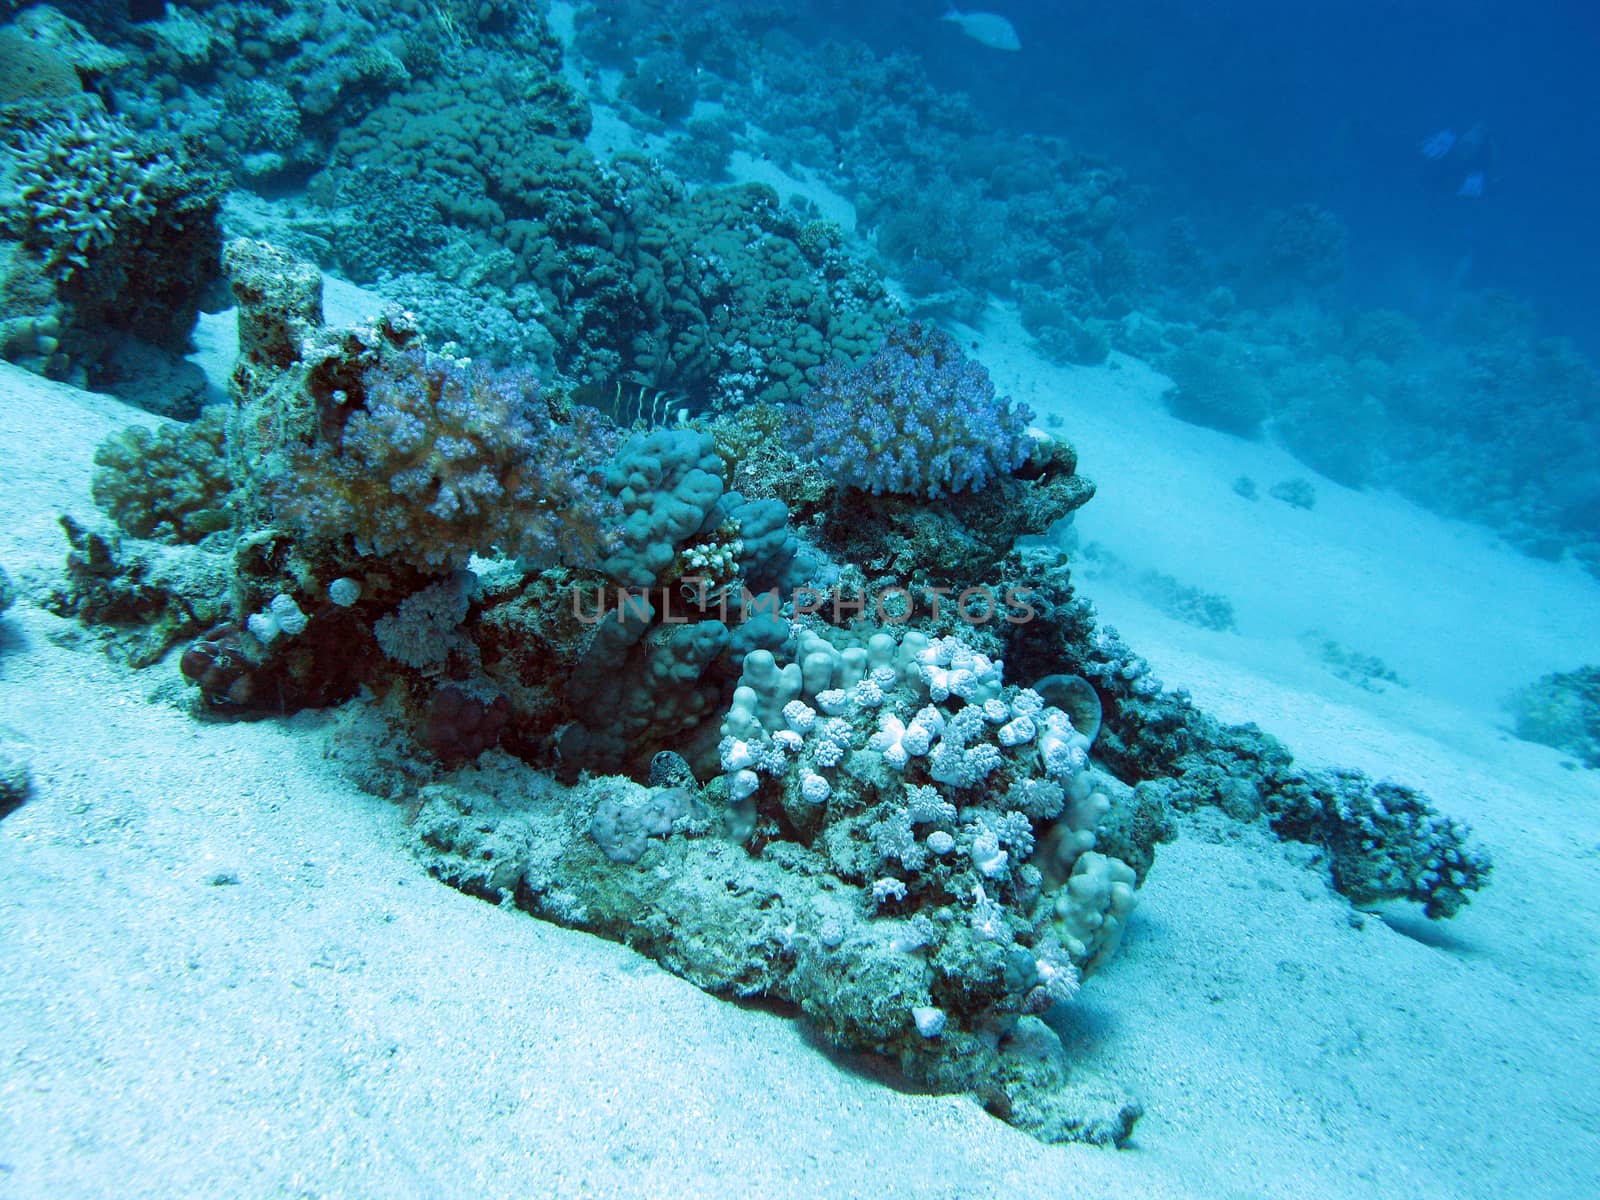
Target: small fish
(986,28)
(1436,146)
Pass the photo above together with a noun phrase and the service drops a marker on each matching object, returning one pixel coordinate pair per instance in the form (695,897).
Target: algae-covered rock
(775,924)
(143,596)
(15,777)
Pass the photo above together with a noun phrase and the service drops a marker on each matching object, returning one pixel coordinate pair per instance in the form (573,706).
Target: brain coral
(918,418)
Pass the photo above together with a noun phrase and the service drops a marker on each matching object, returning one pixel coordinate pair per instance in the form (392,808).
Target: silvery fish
(991,29)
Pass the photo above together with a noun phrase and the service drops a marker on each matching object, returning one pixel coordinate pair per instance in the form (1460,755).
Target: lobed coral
(917,419)
(719,296)
(170,483)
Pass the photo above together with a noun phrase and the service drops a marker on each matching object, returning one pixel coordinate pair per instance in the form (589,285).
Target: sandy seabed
(224,974)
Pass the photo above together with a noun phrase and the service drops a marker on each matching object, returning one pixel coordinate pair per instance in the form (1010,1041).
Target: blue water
(1227,108)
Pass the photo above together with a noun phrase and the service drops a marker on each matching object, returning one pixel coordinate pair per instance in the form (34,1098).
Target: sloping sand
(225,975)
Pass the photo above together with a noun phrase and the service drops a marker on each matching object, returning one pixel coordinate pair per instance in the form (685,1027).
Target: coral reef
(1213,388)
(744,925)
(1178,600)
(431,460)
(1296,493)
(583,651)
(1366,671)
(919,873)
(1380,841)
(903,540)
(958,206)
(1062,336)
(1456,415)
(169,483)
(662,86)
(721,296)
(31,69)
(142,597)
(1306,244)
(459,726)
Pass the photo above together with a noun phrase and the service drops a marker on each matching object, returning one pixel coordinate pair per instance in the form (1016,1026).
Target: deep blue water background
(1227,108)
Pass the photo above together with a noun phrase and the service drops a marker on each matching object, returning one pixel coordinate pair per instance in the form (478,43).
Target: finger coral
(169,483)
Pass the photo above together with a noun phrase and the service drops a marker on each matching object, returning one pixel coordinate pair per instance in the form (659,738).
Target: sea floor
(225,974)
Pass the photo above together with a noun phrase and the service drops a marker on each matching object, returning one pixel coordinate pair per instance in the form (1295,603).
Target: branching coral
(80,183)
(116,242)
(97,200)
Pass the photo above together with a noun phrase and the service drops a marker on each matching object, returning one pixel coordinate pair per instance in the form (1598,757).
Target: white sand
(337,1024)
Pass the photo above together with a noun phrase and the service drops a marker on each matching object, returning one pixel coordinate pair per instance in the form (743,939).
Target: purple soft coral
(918,418)
(440,459)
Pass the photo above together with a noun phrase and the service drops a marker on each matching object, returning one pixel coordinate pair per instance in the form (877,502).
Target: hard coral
(32,69)
(169,483)
(437,459)
(918,418)
(126,224)
(459,726)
